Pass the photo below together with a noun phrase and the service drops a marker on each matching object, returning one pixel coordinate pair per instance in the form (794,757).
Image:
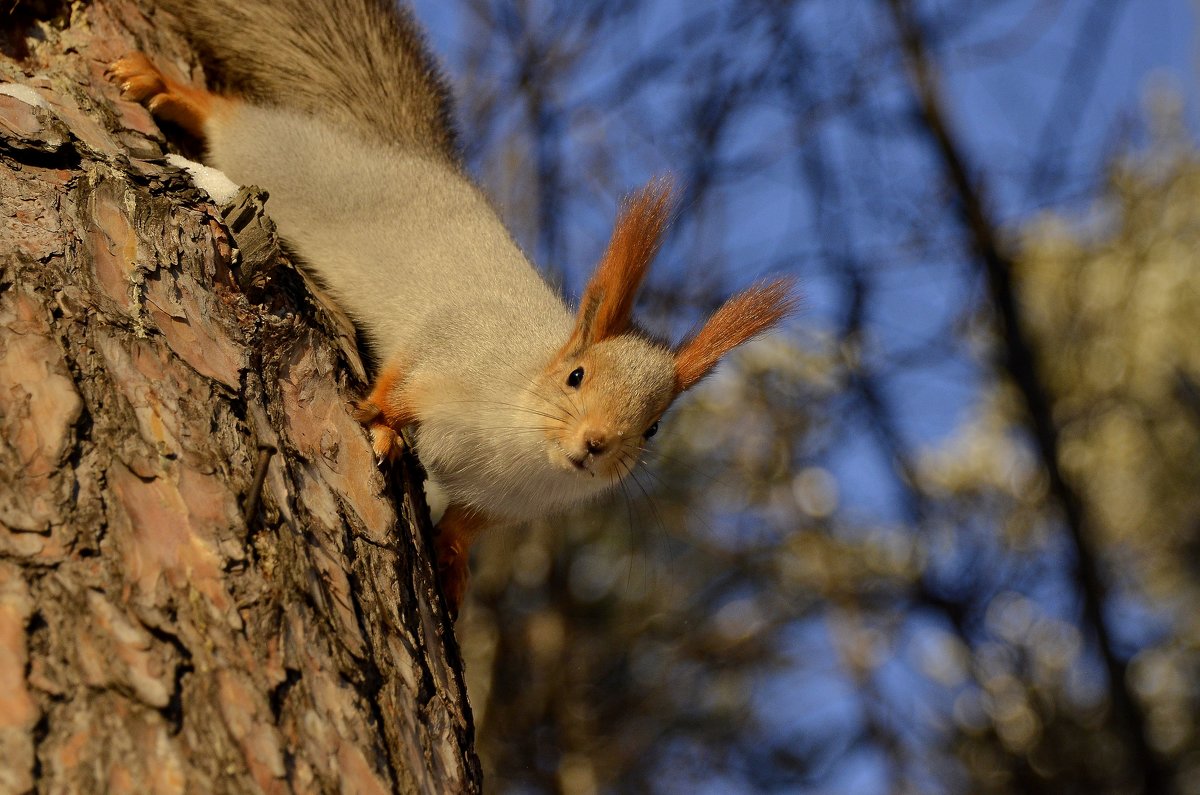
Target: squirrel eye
(653,429)
(575,378)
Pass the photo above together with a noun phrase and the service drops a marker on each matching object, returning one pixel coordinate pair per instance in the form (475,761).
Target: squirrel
(517,407)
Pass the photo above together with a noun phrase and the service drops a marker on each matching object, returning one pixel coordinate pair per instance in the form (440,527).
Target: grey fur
(347,129)
(361,65)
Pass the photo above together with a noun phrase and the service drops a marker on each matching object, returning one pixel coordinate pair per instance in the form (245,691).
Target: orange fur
(742,317)
(607,303)
(385,412)
(388,394)
(141,81)
(456,532)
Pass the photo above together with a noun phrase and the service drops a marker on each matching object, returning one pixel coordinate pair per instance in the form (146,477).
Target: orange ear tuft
(607,303)
(742,317)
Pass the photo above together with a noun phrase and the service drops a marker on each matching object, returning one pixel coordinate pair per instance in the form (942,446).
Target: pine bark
(169,622)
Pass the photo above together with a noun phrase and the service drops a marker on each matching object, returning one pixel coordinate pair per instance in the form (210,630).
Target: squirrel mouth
(581,463)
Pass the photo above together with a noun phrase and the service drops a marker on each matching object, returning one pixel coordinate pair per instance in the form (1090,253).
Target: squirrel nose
(596,443)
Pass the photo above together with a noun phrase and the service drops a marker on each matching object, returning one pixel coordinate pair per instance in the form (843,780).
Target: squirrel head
(610,383)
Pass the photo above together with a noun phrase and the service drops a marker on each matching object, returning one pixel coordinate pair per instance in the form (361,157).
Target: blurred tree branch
(1020,362)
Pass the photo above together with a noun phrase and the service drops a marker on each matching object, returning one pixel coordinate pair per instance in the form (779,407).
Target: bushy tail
(360,64)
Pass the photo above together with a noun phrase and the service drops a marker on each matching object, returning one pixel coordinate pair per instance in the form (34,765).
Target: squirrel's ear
(607,303)
(742,317)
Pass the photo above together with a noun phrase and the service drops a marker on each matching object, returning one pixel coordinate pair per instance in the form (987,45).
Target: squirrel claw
(136,76)
(387,444)
(385,441)
(139,80)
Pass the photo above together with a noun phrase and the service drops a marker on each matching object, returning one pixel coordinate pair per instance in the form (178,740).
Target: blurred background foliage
(942,533)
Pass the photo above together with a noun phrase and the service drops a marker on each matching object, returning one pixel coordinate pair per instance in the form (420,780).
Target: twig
(265,451)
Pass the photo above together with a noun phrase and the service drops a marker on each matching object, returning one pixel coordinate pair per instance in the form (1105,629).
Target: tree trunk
(206,584)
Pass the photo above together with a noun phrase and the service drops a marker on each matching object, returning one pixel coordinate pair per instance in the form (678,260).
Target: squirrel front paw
(385,441)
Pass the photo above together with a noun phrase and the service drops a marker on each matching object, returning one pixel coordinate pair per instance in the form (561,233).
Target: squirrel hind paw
(141,81)
(453,574)
(138,78)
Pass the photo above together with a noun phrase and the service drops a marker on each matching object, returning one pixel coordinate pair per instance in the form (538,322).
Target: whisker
(692,468)
(651,503)
(653,508)
(569,397)
(515,432)
(483,402)
(693,513)
(529,386)
(629,518)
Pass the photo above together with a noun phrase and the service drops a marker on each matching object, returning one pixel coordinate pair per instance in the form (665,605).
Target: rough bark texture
(152,637)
